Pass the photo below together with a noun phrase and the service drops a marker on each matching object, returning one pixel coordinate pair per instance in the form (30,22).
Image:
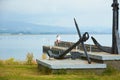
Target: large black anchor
(82,39)
(115,49)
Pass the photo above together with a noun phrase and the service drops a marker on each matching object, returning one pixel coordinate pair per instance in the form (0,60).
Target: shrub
(44,56)
(1,62)
(109,71)
(9,61)
(61,71)
(29,58)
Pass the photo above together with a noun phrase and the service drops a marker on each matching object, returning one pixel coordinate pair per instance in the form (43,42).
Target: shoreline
(56,34)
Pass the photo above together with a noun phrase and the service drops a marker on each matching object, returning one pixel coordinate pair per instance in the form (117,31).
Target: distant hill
(29,28)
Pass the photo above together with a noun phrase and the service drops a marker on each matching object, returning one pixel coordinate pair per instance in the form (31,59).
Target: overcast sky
(90,13)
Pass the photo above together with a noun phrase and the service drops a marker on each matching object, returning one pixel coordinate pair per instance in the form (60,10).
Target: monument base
(112,60)
(68,66)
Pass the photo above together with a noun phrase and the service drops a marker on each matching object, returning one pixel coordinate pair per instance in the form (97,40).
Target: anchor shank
(115,26)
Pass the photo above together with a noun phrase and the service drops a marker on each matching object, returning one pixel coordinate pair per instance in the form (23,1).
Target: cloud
(60,12)
(53,6)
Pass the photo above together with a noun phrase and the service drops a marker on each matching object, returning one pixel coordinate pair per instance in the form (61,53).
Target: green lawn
(31,72)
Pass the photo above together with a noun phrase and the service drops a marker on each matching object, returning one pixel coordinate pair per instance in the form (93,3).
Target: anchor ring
(85,36)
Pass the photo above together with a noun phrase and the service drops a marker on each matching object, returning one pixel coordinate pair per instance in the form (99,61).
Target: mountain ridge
(29,28)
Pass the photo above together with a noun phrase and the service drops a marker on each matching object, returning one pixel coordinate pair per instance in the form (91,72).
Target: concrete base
(68,65)
(102,56)
(112,60)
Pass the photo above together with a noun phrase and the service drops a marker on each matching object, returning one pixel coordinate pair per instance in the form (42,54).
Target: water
(17,46)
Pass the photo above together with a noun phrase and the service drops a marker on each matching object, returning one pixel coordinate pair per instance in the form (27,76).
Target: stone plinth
(69,65)
(99,57)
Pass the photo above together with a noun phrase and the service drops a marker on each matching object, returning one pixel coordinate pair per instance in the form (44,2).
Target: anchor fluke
(108,50)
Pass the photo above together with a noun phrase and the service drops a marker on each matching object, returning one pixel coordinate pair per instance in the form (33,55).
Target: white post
(90,48)
(76,48)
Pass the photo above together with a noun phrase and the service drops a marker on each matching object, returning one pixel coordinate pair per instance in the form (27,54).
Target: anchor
(115,49)
(82,39)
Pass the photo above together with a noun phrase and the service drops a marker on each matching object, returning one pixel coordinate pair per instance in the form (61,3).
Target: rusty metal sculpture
(82,39)
(115,49)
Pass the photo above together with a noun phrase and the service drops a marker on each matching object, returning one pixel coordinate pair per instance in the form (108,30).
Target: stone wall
(53,49)
(89,47)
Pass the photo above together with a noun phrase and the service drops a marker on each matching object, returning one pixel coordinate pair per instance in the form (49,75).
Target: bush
(1,62)
(61,71)
(9,61)
(29,58)
(109,71)
(44,56)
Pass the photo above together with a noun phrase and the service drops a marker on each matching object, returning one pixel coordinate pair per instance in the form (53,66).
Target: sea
(18,46)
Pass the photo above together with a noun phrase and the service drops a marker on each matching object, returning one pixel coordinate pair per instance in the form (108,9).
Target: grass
(20,70)
(31,72)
